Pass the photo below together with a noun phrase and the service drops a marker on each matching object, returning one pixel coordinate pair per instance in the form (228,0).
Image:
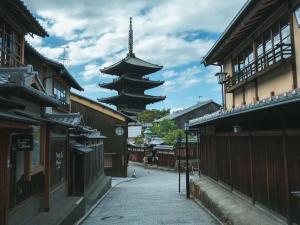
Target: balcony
(263,64)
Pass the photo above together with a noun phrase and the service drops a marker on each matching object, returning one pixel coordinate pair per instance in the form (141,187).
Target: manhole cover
(112,218)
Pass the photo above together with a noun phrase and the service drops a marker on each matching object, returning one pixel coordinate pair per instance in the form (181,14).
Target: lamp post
(178,145)
(186,129)
(221,80)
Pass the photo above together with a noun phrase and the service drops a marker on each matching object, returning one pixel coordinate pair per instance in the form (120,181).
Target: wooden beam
(4,175)
(251,167)
(285,171)
(292,35)
(47,169)
(230,166)
(14,125)
(97,107)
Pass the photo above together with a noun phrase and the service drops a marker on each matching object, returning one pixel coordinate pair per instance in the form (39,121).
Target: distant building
(183,116)
(132,82)
(113,125)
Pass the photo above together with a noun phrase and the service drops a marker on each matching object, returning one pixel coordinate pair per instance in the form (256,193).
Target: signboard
(23,142)
(297,15)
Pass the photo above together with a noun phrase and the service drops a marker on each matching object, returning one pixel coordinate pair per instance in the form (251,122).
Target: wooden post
(4,176)
(294,67)
(251,167)
(47,169)
(286,174)
(230,170)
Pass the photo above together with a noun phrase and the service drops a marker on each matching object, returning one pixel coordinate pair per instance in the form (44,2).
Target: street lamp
(221,80)
(178,145)
(186,129)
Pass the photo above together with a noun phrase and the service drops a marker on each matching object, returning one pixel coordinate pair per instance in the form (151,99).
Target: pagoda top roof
(131,65)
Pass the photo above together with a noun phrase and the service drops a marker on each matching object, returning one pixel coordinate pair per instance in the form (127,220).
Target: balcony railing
(8,59)
(275,55)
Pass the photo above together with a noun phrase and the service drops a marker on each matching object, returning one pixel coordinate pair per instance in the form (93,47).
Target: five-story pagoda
(131,84)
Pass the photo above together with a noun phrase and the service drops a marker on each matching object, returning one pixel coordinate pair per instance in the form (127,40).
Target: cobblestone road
(150,199)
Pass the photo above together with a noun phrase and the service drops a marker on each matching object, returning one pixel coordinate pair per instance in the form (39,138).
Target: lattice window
(10,46)
(108,161)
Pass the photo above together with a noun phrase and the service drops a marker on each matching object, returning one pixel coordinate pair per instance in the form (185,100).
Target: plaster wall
(279,81)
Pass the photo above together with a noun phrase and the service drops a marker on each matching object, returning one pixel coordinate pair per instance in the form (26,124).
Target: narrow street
(152,198)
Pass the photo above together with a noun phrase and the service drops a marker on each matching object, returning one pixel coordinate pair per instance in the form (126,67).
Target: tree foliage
(148,116)
(167,130)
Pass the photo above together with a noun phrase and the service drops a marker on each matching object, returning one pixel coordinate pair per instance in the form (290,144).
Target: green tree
(170,138)
(163,128)
(167,130)
(148,116)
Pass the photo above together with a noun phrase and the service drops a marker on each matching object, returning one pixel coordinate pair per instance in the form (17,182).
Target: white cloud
(96,31)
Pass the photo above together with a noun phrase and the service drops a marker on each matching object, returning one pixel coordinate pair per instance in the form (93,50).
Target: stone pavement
(150,199)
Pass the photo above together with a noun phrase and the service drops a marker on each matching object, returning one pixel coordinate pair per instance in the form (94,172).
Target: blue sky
(172,33)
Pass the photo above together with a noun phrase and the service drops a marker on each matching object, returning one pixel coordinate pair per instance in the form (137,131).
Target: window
(60,92)
(271,47)
(36,153)
(108,161)
(10,46)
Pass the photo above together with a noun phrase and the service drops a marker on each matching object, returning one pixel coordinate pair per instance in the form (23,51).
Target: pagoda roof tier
(143,83)
(131,112)
(131,65)
(124,97)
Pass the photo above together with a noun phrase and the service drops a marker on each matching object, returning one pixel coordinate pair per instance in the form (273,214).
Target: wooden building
(36,172)
(113,125)
(87,159)
(183,116)
(252,146)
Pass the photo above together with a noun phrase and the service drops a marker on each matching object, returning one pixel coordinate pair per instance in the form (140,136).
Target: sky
(173,33)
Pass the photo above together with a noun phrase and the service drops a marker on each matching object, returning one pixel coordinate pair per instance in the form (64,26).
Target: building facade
(37,166)
(184,116)
(113,125)
(251,146)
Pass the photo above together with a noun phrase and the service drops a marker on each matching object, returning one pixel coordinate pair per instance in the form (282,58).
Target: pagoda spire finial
(130,38)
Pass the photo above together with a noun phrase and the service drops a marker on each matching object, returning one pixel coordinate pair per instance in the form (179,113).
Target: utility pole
(64,58)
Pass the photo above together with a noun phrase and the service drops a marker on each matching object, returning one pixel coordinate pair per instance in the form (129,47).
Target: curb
(207,210)
(82,219)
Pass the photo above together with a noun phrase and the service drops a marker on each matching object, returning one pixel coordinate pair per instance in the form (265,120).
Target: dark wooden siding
(113,143)
(58,162)
(236,160)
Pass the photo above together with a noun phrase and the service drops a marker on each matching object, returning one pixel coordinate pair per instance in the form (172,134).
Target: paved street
(151,199)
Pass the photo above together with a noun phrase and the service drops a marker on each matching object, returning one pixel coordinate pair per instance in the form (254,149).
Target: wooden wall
(254,165)
(113,143)
(4,176)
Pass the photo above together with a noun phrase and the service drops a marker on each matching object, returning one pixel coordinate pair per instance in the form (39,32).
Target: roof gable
(99,107)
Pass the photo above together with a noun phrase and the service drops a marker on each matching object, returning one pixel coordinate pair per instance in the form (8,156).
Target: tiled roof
(80,147)
(24,74)
(179,113)
(288,97)
(62,69)
(12,116)
(133,62)
(164,147)
(68,119)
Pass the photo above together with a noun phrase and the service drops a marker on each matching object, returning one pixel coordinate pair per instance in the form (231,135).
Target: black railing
(277,54)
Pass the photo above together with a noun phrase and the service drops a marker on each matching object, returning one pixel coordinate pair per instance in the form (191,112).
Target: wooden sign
(23,142)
